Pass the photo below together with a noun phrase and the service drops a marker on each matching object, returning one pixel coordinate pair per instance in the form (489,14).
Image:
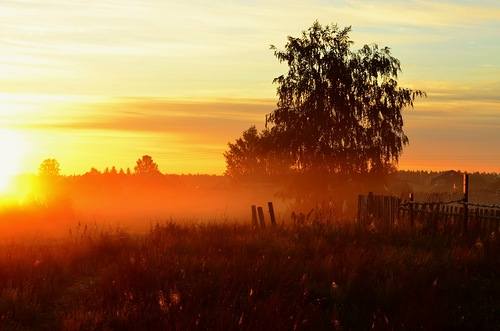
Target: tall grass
(231,277)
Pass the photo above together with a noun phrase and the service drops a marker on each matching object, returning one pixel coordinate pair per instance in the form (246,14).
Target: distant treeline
(137,197)
(146,175)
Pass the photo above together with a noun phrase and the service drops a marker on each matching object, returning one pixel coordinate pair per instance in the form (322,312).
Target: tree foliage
(254,155)
(146,166)
(244,155)
(338,110)
(49,168)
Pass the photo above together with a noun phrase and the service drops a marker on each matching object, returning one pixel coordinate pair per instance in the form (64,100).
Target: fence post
(370,204)
(466,201)
(497,220)
(436,219)
(487,215)
(385,211)
(271,213)
(393,209)
(412,219)
(446,226)
(480,221)
(261,217)
(360,205)
(254,216)
(492,222)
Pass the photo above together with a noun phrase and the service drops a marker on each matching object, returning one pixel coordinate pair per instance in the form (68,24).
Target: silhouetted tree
(49,168)
(254,155)
(146,166)
(339,110)
(244,155)
(93,172)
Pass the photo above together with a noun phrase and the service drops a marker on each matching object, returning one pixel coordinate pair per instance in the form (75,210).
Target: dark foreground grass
(230,277)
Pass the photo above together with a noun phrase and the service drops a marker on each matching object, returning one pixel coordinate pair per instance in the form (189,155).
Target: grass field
(231,277)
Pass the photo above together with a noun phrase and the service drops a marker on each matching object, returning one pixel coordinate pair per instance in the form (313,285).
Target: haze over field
(100,83)
(249,165)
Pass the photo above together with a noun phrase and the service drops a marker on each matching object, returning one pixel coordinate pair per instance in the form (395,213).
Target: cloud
(200,49)
(444,132)
(202,52)
(209,121)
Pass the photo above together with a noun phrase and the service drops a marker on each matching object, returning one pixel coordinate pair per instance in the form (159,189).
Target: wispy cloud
(99,73)
(201,121)
(197,48)
(463,128)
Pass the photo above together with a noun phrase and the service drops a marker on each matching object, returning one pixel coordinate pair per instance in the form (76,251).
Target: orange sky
(101,83)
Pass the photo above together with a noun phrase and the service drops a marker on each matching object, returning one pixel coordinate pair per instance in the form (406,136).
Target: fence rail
(449,216)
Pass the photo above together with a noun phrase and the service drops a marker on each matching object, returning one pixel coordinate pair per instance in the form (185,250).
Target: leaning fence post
(466,201)
(271,213)
(254,216)
(261,217)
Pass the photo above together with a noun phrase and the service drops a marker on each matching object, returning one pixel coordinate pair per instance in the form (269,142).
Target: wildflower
(478,244)
(129,295)
(492,236)
(175,297)
(162,301)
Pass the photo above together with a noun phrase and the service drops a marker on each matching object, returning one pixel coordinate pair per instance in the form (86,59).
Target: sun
(12,150)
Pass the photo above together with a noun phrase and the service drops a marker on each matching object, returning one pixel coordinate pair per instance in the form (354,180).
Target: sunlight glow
(12,150)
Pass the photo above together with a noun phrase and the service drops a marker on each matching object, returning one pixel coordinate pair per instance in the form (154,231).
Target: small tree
(49,168)
(146,166)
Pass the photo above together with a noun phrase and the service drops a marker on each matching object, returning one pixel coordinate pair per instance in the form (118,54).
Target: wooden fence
(452,216)
(259,211)
(380,208)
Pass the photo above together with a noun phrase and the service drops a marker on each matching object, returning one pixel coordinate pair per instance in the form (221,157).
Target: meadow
(229,276)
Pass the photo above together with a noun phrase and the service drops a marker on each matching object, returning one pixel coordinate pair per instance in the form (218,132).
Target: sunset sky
(100,83)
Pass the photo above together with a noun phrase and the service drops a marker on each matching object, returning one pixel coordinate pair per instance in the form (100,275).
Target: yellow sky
(99,83)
